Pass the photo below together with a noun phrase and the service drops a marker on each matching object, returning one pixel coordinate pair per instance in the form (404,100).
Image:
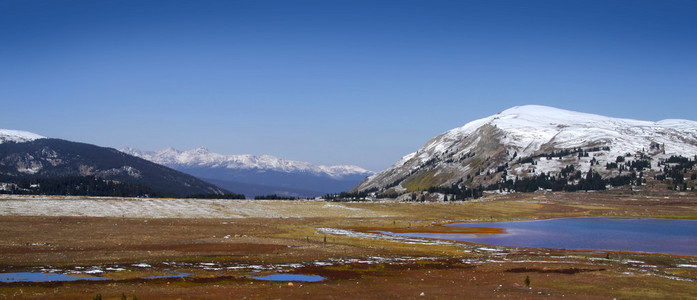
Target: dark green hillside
(55,158)
(76,186)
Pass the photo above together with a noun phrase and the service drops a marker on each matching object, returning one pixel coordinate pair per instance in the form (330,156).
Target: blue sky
(332,82)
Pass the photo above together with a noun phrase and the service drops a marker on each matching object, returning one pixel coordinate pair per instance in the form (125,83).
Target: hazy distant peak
(202,157)
(200,150)
(169,150)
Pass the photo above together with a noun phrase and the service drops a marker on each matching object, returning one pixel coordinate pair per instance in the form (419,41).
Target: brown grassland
(220,252)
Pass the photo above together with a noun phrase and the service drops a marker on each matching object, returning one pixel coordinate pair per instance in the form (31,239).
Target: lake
(588,233)
(43,276)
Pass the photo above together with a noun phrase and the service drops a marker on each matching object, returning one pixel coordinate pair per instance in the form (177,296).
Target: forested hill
(65,161)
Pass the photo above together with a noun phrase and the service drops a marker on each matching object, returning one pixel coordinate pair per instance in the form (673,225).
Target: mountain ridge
(258,175)
(492,144)
(202,157)
(27,156)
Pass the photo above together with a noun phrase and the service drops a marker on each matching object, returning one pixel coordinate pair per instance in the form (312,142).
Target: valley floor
(207,249)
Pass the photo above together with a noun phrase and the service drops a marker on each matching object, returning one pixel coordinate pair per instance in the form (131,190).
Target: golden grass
(71,241)
(424,181)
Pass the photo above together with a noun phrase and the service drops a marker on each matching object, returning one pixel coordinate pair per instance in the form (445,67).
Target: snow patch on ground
(328,205)
(406,240)
(13,205)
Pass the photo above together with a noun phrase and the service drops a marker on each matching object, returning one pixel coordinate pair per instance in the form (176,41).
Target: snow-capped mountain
(18,136)
(269,174)
(202,157)
(521,140)
(28,157)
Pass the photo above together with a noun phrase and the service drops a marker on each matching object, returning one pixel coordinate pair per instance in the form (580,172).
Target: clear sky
(332,81)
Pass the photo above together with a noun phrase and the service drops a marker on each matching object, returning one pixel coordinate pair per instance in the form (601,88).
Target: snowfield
(18,136)
(530,130)
(13,205)
(529,127)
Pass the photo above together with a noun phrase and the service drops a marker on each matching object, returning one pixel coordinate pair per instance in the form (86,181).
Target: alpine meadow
(315,149)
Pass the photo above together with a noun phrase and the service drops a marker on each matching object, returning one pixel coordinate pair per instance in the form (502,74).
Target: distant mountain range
(54,165)
(258,175)
(523,149)
(529,147)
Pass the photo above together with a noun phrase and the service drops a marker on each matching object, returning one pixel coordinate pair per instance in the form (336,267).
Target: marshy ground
(218,243)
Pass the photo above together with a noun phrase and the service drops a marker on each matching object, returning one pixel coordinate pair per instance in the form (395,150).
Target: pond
(175,275)
(289,277)
(41,276)
(589,233)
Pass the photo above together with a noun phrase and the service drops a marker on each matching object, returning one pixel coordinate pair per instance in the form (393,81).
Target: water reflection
(289,277)
(175,275)
(593,233)
(40,277)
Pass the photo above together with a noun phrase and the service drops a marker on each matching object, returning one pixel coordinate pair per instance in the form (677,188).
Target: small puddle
(289,277)
(53,277)
(176,275)
(40,277)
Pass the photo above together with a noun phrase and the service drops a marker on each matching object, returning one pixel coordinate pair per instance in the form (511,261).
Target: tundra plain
(208,249)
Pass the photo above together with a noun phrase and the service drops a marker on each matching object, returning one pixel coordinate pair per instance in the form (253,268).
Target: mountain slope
(53,158)
(264,173)
(519,142)
(251,190)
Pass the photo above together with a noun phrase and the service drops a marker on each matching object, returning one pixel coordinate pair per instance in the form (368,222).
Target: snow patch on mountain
(485,144)
(528,128)
(18,136)
(202,157)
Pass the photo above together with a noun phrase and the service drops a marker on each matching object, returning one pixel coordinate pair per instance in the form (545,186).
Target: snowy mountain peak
(490,144)
(18,136)
(169,150)
(202,157)
(200,150)
(528,128)
(540,110)
(539,114)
